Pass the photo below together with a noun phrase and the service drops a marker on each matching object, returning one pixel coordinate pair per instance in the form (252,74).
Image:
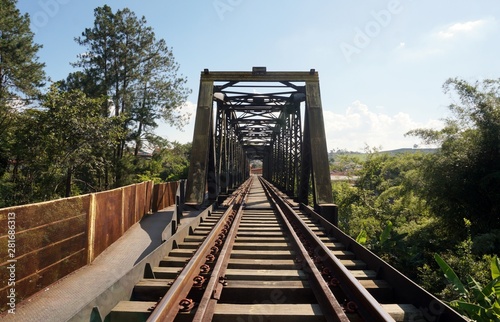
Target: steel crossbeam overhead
(275,117)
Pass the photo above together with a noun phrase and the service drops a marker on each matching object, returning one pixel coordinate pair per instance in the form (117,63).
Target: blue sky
(382,63)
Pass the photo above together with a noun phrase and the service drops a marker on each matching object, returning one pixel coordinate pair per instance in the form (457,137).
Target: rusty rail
(176,298)
(214,287)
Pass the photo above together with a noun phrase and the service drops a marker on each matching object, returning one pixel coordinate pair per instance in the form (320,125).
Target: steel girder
(258,116)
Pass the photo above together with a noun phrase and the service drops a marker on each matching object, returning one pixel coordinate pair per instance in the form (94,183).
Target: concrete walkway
(65,298)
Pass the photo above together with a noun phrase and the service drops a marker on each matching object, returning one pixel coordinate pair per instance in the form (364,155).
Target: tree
(66,155)
(160,92)
(77,136)
(169,162)
(21,75)
(462,180)
(138,72)
(20,72)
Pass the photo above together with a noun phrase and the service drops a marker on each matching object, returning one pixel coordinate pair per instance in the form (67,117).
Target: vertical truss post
(282,158)
(274,159)
(317,138)
(219,146)
(232,160)
(305,173)
(212,173)
(287,151)
(266,164)
(296,152)
(203,131)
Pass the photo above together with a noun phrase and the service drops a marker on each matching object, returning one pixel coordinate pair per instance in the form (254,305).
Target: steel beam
(203,130)
(317,138)
(312,75)
(305,171)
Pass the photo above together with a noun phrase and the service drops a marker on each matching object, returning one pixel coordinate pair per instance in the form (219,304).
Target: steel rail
(331,308)
(368,306)
(168,307)
(206,307)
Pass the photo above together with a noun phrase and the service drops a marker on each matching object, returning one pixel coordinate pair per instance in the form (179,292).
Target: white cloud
(359,127)
(462,28)
(445,39)
(189,108)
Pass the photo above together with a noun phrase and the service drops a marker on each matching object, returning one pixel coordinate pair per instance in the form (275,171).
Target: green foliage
(93,130)
(66,155)
(481,303)
(463,178)
(487,243)
(362,237)
(466,263)
(21,76)
(169,162)
(451,276)
(388,245)
(383,191)
(408,207)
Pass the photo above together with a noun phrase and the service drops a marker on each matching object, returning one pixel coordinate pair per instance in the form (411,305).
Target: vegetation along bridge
(262,247)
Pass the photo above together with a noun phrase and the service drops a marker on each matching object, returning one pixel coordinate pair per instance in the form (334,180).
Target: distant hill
(332,155)
(392,152)
(409,150)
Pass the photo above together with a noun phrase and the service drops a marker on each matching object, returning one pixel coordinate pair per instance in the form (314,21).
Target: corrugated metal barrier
(43,242)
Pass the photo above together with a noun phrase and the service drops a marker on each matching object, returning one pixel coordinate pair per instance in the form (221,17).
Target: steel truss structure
(274,117)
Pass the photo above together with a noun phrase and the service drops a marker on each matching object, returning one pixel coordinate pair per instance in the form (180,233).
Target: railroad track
(263,258)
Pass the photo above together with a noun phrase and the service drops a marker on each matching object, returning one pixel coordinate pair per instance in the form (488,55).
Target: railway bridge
(265,254)
(266,247)
(273,117)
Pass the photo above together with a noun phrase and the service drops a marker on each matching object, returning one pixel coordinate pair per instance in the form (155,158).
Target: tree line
(93,130)
(424,211)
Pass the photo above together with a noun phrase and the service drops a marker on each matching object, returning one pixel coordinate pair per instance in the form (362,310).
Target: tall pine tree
(21,75)
(137,71)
